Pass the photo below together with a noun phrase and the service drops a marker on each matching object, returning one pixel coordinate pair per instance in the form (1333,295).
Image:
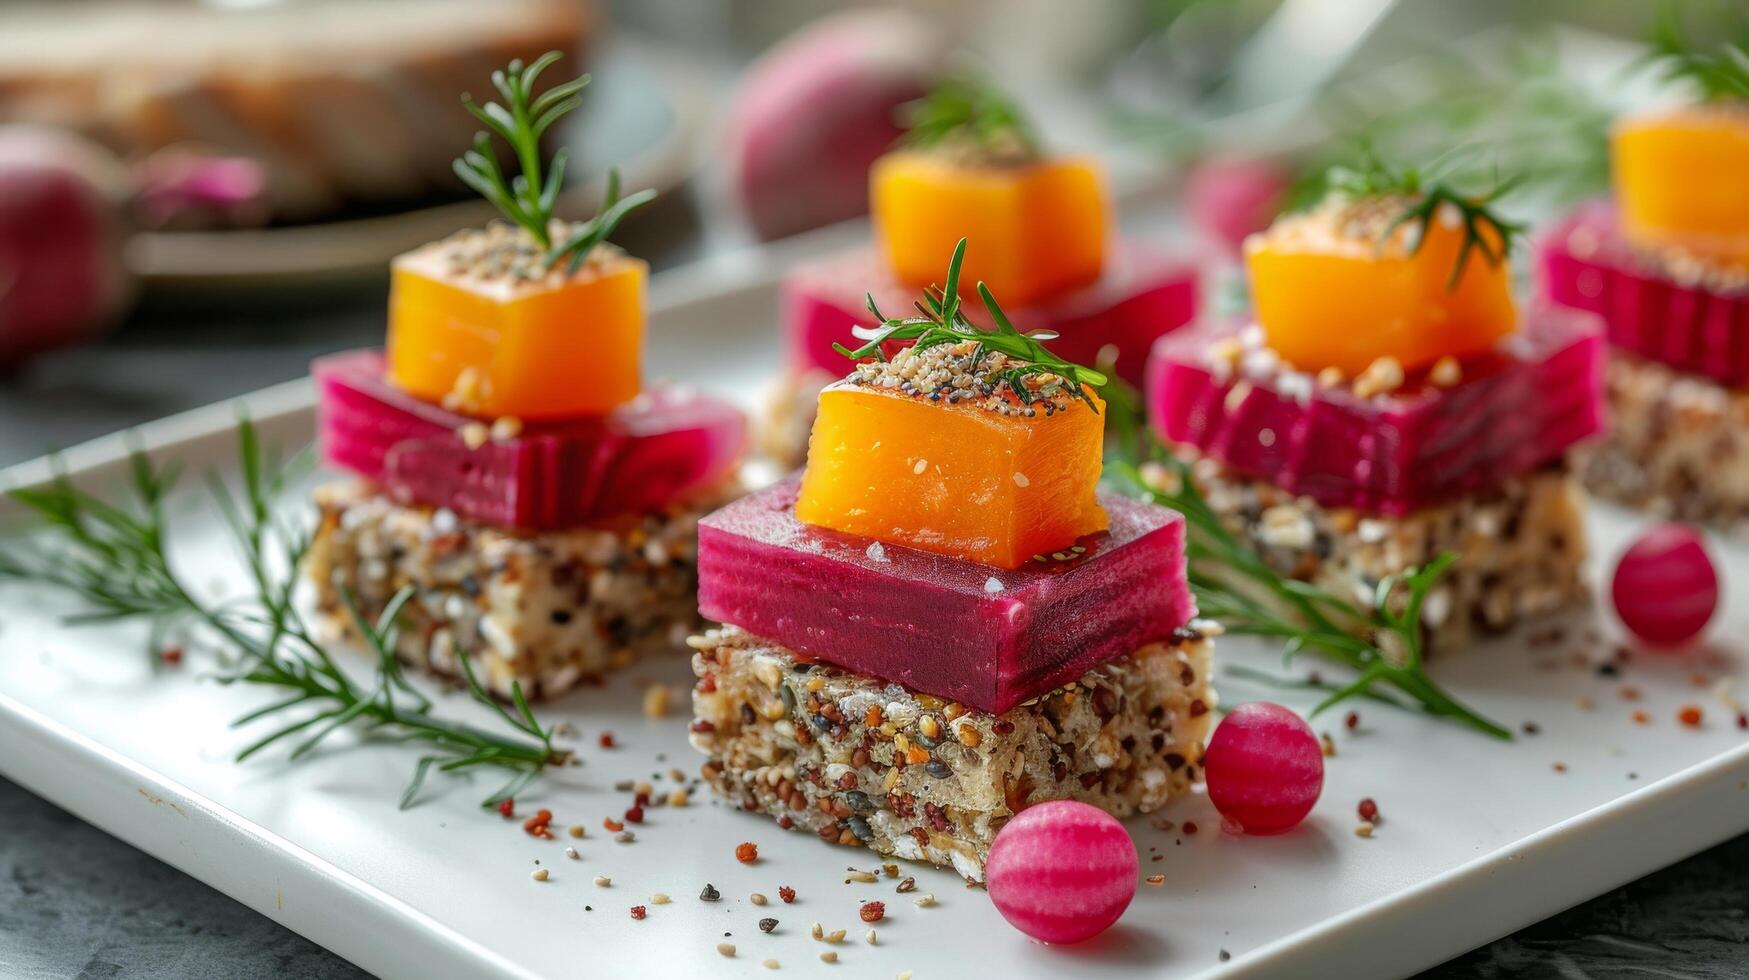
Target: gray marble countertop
(75,902)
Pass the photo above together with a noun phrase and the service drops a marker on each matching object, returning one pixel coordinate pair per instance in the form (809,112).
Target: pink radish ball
(1665,587)
(817,109)
(61,231)
(1062,871)
(1228,198)
(1264,768)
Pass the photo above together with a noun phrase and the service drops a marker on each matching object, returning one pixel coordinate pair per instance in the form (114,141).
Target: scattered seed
(925,901)
(746,852)
(1690,715)
(769,964)
(1363,829)
(836,935)
(1369,811)
(625,837)
(873,911)
(727,949)
(862,876)
(638,911)
(786,893)
(710,893)
(603,880)
(1560,767)
(571,852)
(766,925)
(660,898)
(909,884)
(575,830)
(1327,745)
(818,931)
(829,956)
(539,874)
(679,797)
(1155,880)
(870,937)
(1189,827)
(756,898)
(1352,721)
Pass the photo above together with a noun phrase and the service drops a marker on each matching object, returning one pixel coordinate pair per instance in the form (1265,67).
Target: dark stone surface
(75,902)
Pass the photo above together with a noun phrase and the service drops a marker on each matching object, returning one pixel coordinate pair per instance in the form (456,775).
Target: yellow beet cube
(1682,180)
(492,343)
(956,479)
(1033,230)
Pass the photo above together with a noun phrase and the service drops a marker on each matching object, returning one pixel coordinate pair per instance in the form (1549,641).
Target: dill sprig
(1719,76)
(529,197)
(1237,588)
(1427,191)
(113,560)
(939,320)
(965,111)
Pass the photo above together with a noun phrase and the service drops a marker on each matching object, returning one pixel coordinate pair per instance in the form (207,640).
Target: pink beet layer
(1062,871)
(646,454)
(1144,293)
(1587,265)
(986,637)
(1515,410)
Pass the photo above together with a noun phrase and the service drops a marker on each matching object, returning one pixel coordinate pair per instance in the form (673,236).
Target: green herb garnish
(113,560)
(967,112)
(1721,76)
(1238,589)
(939,320)
(1427,191)
(528,199)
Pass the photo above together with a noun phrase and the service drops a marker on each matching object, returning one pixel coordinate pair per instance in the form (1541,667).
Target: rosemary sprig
(1721,76)
(528,198)
(939,320)
(965,111)
(1237,588)
(1427,192)
(113,560)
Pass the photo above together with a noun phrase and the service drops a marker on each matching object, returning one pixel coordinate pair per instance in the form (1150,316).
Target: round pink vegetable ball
(1264,768)
(1665,587)
(1062,871)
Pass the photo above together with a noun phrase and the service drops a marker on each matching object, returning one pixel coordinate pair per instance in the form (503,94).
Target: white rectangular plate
(1478,838)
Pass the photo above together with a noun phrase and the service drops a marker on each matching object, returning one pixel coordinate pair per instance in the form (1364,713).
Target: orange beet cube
(1682,180)
(1033,230)
(1328,298)
(491,344)
(954,479)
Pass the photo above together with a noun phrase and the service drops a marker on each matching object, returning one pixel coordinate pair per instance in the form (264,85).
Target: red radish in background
(1665,587)
(1264,768)
(1062,871)
(1229,198)
(67,206)
(817,109)
(61,232)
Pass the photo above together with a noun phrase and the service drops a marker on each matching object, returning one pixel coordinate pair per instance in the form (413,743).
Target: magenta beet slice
(983,636)
(1587,265)
(1145,292)
(1516,409)
(649,452)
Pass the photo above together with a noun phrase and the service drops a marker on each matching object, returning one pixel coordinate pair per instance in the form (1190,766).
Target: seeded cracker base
(550,609)
(1521,547)
(1678,446)
(856,760)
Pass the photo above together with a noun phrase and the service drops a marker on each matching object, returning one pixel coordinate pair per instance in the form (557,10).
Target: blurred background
(198,197)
